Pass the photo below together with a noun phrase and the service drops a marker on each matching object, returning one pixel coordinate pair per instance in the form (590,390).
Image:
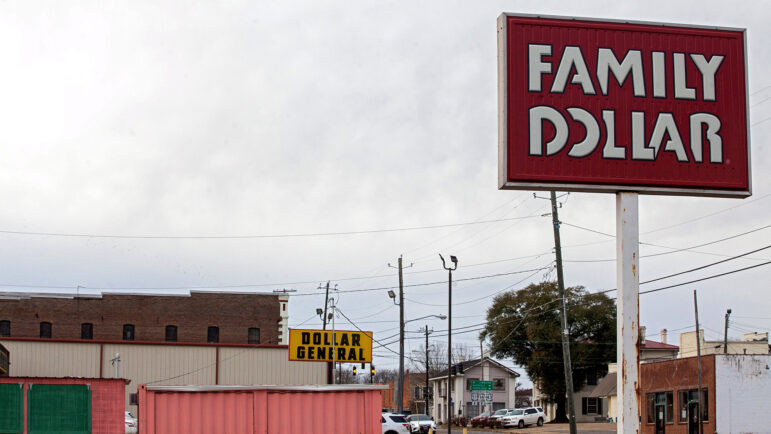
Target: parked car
(394,424)
(131,423)
(521,417)
(480,420)
(492,421)
(420,423)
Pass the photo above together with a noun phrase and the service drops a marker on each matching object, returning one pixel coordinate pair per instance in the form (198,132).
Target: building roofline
(122,342)
(15,379)
(303,388)
(478,362)
(100,294)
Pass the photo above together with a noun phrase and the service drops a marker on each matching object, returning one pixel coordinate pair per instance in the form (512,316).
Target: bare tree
(524,397)
(462,353)
(385,375)
(437,357)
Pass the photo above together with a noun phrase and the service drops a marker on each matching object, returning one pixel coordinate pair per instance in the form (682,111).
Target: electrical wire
(673,251)
(260,236)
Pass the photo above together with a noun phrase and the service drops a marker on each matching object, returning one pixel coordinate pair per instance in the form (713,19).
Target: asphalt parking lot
(584,428)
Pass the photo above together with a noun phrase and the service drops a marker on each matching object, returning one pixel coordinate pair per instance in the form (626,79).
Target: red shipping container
(260,409)
(107,399)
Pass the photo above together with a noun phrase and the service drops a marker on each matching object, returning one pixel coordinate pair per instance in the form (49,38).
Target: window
(87,330)
(653,400)
(499,384)
(590,405)
(45,329)
(417,392)
(254,335)
(128,332)
(213,335)
(591,377)
(5,328)
(687,397)
(468,382)
(171,333)
(498,406)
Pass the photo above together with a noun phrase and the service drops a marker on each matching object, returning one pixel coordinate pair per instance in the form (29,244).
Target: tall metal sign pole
(628,312)
(626,108)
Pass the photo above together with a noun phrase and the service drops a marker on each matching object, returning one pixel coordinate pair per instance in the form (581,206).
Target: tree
(524,397)
(384,375)
(525,325)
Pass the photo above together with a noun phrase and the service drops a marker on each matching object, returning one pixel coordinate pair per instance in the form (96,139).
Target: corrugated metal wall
(268,366)
(163,364)
(53,359)
(106,404)
(313,410)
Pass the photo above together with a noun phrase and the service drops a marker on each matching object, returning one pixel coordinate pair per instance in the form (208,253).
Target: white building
(752,343)
(485,369)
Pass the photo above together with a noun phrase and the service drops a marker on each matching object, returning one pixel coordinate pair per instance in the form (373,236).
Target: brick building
(734,399)
(198,317)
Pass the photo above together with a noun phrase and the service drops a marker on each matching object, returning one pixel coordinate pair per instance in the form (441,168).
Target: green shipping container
(58,409)
(11,408)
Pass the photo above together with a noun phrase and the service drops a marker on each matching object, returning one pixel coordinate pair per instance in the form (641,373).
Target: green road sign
(481,385)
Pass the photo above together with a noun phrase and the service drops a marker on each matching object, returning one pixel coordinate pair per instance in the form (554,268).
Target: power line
(428,283)
(259,236)
(743,203)
(673,251)
(486,296)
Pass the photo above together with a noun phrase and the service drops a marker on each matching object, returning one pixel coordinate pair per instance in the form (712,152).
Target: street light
(442,317)
(392,295)
(449,337)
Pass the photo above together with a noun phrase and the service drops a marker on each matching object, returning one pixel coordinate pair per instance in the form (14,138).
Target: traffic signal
(372,370)
(354,370)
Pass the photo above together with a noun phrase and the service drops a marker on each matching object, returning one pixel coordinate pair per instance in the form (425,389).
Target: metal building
(161,363)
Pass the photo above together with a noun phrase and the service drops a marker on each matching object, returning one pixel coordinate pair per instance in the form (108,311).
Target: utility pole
(330,368)
(698,360)
(425,394)
(725,335)
(400,394)
(563,316)
(334,350)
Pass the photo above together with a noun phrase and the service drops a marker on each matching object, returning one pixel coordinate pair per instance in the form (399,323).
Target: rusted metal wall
(260,410)
(107,400)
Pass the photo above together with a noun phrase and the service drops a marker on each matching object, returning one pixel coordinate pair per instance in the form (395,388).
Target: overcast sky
(247,118)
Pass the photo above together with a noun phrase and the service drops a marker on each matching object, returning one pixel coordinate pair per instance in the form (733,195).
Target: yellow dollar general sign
(317,346)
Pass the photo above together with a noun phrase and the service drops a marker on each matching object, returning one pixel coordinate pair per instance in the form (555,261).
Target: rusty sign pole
(628,312)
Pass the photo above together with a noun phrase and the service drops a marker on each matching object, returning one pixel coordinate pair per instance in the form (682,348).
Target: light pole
(449,338)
